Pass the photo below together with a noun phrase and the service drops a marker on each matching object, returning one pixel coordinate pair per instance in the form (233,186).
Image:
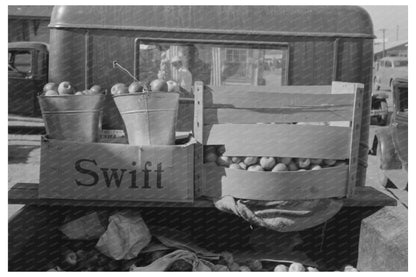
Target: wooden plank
(239,116)
(289,185)
(199,181)
(363,197)
(355,138)
(280,140)
(281,89)
(264,100)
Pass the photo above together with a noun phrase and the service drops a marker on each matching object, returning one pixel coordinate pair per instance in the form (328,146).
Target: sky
(389,17)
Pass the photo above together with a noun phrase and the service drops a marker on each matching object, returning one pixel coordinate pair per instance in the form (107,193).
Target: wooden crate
(116,172)
(229,116)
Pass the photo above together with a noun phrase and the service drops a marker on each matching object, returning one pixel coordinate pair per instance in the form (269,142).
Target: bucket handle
(119,66)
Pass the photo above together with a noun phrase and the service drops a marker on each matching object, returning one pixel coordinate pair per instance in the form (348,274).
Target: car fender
(386,150)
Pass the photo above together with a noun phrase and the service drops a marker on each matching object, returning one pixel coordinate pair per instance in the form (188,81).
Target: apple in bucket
(51,93)
(95,89)
(66,88)
(119,88)
(135,87)
(159,85)
(50,86)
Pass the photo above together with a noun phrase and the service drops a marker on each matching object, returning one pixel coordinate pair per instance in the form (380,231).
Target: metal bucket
(150,119)
(70,117)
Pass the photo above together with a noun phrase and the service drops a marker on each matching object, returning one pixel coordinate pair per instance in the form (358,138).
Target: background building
(29,23)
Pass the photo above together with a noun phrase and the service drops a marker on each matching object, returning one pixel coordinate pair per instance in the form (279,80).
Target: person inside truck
(184,79)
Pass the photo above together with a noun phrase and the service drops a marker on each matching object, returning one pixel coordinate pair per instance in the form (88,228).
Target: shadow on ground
(20,153)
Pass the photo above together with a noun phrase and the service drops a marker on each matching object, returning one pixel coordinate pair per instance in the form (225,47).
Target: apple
(255,167)
(312,269)
(235,166)
(234,267)
(95,89)
(135,87)
(172,86)
(243,165)
(221,149)
(281,268)
(296,267)
(87,92)
(267,163)
(51,93)
(50,86)
(228,257)
(330,162)
(350,268)
(79,93)
(338,163)
(159,85)
(244,268)
(210,157)
(316,167)
(286,160)
(316,161)
(292,166)
(250,160)
(304,163)
(255,265)
(65,88)
(223,161)
(279,167)
(236,160)
(119,88)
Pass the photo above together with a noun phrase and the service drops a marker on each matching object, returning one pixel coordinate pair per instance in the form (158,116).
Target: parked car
(28,73)
(389,69)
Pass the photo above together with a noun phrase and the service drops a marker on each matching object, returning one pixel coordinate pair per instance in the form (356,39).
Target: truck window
(20,61)
(400,63)
(388,64)
(219,65)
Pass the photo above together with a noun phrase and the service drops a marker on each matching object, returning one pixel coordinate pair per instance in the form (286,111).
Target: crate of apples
(215,154)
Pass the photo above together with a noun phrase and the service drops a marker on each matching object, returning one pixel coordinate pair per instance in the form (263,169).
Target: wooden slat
(265,100)
(228,115)
(281,140)
(27,193)
(297,185)
(274,89)
(199,181)
(355,138)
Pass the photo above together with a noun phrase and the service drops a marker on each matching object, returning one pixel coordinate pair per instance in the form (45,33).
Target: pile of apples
(66,88)
(138,87)
(214,154)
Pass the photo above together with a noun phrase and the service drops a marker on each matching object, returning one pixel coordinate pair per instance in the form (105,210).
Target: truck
(242,48)
(28,64)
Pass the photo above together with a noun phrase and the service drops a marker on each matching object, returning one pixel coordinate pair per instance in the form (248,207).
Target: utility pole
(397,32)
(384,41)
